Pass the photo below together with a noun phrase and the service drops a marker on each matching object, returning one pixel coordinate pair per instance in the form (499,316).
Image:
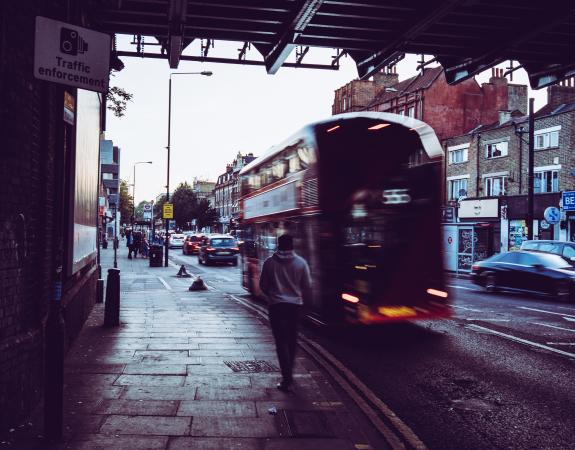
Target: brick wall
(30,113)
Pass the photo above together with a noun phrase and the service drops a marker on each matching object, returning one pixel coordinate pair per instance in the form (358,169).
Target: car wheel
(491,282)
(561,290)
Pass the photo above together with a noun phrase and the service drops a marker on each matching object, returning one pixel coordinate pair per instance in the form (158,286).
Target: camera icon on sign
(71,43)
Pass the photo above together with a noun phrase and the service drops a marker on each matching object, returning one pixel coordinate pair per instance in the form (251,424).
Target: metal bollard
(112,307)
(100,291)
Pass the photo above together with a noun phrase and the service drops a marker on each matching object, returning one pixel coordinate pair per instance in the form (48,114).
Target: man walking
(286,282)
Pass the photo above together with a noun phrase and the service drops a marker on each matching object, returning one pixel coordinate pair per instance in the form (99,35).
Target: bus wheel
(491,282)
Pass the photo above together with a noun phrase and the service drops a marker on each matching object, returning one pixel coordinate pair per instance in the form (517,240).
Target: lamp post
(206,73)
(134,190)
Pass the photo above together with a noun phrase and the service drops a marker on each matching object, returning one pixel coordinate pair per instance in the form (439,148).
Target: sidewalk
(194,370)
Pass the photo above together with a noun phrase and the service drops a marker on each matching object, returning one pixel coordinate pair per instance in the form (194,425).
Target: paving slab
(142,425)
(163,379)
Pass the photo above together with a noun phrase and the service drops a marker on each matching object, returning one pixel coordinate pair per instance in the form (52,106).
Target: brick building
(110,186)
(489,166)
(40,172)
(227,192)
(204,190)
(449,110)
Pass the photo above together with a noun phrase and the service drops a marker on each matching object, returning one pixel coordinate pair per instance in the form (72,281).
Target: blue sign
(569,201)
(552,215)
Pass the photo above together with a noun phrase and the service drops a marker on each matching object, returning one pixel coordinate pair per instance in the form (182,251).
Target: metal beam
(370,65)
(247,62)
(498,53)
(287,41)
(177,20)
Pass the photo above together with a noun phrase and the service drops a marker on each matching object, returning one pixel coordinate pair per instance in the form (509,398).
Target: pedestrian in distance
(145,246)
(137,243)
(130,243)
(286,282)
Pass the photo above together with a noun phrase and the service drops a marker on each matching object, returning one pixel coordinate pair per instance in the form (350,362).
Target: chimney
(562,93)
(384,79)
(504,116)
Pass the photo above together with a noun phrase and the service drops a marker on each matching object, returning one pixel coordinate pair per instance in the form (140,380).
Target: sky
(237,109)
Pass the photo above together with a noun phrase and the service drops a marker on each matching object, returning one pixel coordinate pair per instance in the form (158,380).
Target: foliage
(206,215)
(185,204)
(117,99)
(126,202)
(140,209)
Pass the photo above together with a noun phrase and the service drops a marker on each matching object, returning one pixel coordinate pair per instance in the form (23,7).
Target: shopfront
(515,220)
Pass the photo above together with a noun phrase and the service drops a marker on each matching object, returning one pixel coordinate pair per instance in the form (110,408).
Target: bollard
(100,291)
(112,307)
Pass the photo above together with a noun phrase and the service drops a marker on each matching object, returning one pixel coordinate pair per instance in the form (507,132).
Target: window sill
(496,157)
(456,163)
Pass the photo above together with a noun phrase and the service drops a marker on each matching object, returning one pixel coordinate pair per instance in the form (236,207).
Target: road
(499,374)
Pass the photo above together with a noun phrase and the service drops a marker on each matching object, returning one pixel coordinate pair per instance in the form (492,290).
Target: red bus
(361,194)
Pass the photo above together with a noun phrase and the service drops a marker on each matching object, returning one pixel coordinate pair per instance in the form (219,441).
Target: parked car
(526,271)
(564,249)
(192,244)
(218,248)
(176,240)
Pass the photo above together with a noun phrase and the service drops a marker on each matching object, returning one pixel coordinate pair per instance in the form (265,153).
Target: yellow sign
(168,210)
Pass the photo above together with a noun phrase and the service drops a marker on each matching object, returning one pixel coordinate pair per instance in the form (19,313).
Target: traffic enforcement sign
(168,210)
(569,201)
(147,206)
(552,215)
(68,54)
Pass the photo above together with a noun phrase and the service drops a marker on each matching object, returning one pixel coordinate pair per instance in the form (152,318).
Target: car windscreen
(223,242)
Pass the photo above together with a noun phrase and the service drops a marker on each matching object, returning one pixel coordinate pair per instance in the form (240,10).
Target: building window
(546,181)
(411,111)
(496,150)
(344,103)
(401,112)
(457,188)
(459,155)
(495,186)
(547,140)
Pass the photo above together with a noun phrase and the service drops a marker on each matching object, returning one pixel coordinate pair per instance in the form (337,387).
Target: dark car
(192,244)
(218,249)
(562,248)
(535,272)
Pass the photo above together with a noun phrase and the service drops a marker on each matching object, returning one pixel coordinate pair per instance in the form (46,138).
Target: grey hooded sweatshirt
(285,278)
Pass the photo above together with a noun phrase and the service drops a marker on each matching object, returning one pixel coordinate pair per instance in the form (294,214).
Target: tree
(159,208)
(117,98)
(185,205)
(205,215)
(126,202)
(140,210)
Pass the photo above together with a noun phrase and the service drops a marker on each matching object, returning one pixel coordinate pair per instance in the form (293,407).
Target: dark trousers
(284,318)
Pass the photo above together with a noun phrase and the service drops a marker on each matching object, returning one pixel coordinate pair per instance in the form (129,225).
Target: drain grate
(251,366)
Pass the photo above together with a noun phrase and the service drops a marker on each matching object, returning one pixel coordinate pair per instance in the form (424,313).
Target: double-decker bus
(360,193)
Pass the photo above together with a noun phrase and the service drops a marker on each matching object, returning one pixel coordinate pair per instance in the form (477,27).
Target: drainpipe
(477,176)
(531,171)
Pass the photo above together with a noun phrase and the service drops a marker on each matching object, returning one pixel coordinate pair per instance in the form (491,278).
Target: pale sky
(239,108)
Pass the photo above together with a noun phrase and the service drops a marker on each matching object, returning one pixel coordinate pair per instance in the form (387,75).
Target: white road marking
(522,341)
(566,307)
(560,343)
(467,309)
(569,319)
(464,287)
(166,285)
(489,320)
(552,326)
(548,312)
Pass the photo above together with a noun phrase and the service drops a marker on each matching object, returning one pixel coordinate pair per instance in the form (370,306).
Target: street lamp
(134,189)
(206,73)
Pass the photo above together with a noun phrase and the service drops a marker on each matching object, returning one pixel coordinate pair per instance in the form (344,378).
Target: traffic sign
(68,54)
(552,215)
(147,206)
(568,201)
(168,211)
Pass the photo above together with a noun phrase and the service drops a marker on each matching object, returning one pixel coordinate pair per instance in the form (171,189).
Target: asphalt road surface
(499,375)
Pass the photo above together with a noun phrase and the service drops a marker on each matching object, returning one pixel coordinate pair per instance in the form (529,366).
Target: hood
(284,255)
